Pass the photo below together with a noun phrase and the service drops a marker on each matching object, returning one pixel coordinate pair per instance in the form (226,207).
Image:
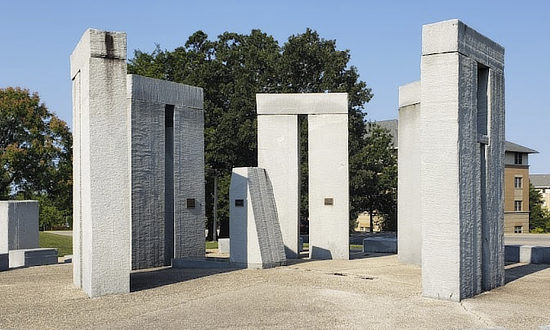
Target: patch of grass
(211,244)
(63,244)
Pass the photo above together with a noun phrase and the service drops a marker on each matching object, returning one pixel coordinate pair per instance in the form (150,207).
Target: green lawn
(63,244)
(211,245)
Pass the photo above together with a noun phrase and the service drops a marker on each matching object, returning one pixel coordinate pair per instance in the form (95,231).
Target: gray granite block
(33,257)
(380,245)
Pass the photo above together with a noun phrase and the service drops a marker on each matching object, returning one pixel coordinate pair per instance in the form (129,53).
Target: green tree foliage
(232,69)
(539,217)
(35,155)
(373,178)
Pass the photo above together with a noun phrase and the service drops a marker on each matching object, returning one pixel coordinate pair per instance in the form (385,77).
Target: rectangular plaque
(329,201)
(239,202)
(190,203)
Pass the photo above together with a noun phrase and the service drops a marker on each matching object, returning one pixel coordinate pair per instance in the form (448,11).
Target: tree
(539,217)
(373,184)
(232,69)
(35,155)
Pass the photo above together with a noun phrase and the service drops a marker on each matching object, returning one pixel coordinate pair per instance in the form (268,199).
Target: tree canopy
(539,217)
(233,68)
(35,155)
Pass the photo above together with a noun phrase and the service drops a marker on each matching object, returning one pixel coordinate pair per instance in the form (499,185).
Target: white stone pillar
(409,221)
(101,166)
(328,185)
(462,153)
(278,153)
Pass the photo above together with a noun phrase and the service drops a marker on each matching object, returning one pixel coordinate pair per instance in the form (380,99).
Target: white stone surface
(224,245)
(328,178)
(278,153)
(153,239)
(32,257)
(18,225)
(462,242)
(101,165)
(256,239)
(302,104)
(409,220)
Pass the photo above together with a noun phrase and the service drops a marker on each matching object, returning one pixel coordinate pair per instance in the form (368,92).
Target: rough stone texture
(32,257)
(18,225)
(461,162)
(328,179)
(256,239)
(278,153)
(101,165)
(223,245)
(380,245)
(409,220)
(152,222)
(301,104)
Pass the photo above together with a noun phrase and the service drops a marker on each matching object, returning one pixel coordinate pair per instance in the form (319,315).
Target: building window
(518,182)
(518,160)
(518,229)
(517,205)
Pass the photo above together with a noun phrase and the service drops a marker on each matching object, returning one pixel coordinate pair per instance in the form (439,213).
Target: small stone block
(4,261)
(380,245)
(32,257)
(223,245)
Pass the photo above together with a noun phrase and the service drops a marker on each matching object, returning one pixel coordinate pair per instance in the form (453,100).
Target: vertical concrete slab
(462,152)
(189,179)
(256,238)
(101,140)
(167,167)
(409,220)
(278,153)
(328,185)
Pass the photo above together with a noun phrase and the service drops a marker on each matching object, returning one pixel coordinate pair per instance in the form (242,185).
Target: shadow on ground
(153,278)
(517,271)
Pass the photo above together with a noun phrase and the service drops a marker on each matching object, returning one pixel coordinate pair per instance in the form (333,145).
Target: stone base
(380,245)
(4,261)
(527,254)
(223,245)
(32,257)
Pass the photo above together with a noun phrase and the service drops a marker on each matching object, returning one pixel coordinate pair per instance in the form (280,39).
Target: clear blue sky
(384,37)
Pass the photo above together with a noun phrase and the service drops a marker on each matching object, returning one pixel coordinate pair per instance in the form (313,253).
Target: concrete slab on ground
(367,292)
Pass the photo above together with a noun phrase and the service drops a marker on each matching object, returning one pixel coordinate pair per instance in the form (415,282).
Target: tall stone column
(462,168)
(101,165)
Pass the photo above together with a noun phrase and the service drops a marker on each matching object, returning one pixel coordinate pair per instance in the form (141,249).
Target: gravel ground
(367,292)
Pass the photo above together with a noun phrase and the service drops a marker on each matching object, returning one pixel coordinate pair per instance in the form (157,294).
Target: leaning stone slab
(256,239)
(380,245)
(32,257)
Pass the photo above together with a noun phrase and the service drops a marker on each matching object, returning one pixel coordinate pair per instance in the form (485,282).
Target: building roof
(392,125)
(540,180)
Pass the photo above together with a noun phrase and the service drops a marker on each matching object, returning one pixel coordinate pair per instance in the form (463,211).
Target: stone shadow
(157,277)
(515,271)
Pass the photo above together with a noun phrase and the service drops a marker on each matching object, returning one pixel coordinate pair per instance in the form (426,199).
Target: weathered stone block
(256,239)
(224,245)
(32,257)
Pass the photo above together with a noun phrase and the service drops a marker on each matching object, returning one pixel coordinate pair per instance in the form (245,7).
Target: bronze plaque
(329,201)
(239,202)
(190,203)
